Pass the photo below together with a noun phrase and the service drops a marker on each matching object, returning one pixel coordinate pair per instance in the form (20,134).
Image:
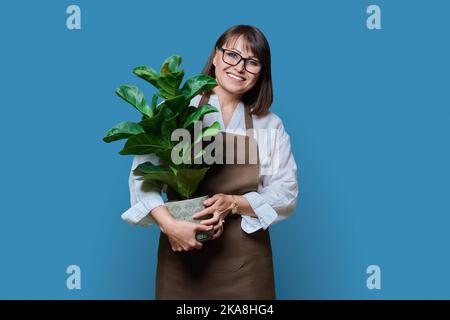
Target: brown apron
(236,265)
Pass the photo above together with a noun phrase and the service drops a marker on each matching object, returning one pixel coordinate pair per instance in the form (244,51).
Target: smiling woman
(241,65)
(234,76)
(243,199)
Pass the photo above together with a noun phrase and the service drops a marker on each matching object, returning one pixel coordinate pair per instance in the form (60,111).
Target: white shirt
(276,197)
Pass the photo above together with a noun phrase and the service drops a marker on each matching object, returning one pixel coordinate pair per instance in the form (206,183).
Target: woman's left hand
(219,206)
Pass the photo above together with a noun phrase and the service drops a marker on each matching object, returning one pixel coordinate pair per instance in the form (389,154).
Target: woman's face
(234,79)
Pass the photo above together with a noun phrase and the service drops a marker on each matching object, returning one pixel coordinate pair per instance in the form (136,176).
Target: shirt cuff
(139,214)
(265,214)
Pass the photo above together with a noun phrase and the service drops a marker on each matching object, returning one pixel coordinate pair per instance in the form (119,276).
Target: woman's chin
(234,88)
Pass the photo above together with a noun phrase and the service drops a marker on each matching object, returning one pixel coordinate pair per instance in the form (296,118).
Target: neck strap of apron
(248,116)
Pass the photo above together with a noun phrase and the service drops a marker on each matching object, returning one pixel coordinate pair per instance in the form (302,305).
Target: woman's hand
(218,229)
(181,234)
(219,206)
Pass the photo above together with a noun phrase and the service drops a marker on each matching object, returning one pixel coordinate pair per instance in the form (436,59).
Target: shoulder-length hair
(260,97)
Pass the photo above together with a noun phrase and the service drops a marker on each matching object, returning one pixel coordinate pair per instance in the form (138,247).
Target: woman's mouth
(235,77)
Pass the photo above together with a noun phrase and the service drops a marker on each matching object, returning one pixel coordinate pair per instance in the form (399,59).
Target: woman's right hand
(181,234)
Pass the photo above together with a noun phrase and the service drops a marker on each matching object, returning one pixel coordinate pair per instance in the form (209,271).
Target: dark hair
(260,97)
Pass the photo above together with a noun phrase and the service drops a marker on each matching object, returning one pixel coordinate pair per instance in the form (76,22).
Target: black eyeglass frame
(239,61)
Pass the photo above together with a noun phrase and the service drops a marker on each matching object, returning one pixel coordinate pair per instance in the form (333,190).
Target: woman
(244,199)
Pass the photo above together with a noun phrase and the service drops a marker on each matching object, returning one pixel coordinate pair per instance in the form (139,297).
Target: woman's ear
(214,62)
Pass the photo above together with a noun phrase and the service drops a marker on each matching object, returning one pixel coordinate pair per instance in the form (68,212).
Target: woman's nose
(240,66)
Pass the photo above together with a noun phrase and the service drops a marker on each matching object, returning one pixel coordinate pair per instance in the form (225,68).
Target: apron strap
(248,118)
(204,99)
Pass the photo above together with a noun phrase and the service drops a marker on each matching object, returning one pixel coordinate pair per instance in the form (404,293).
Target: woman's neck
(226,99)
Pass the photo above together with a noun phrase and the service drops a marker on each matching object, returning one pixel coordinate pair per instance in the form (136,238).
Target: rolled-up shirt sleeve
(144,196)
(277,193)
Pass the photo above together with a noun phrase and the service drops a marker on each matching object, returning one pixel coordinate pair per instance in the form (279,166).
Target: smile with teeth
(235,77)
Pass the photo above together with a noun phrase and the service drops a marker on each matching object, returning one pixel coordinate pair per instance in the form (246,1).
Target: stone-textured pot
(185,209)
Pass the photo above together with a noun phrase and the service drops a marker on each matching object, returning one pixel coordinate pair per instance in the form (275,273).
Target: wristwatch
(234,207)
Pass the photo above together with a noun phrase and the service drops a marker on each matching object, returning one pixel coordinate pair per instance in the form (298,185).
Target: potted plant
(168,111)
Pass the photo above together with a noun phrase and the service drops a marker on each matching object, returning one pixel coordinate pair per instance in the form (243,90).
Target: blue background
(367,112)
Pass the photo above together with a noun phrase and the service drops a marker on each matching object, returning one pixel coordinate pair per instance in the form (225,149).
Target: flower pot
(185,209)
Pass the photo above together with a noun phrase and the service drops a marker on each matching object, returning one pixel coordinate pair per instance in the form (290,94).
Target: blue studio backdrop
(367,111)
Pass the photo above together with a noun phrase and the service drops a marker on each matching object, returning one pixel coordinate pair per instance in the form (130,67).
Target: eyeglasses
(233,59)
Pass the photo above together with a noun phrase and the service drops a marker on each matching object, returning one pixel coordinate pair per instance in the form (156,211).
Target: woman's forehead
(239,42)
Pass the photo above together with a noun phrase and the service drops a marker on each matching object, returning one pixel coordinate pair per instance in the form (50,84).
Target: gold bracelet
(234,207)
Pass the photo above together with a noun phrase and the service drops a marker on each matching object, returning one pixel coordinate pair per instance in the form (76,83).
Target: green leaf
(174,63)
(168,126)
(197,84)
(148,167)
(169,83)
(165,176)
(164,70)
(185,181)
(154,101)
(147,74)
(165,155)
(153,124)
(170,78)
(188,180)
(212,130)
(122,131)
(177,104)
(142,143)
(198,113)
(170,64)
(135,97)
(168,86)
(178,78)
